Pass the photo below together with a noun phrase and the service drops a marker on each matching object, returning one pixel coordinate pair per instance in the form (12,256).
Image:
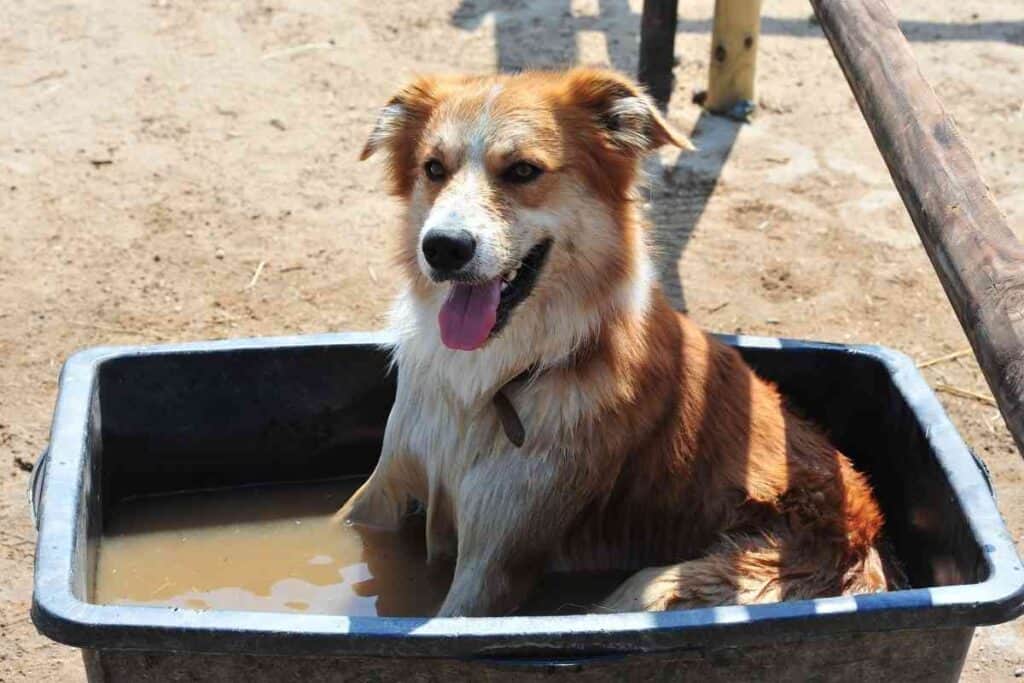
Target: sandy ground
(154,154)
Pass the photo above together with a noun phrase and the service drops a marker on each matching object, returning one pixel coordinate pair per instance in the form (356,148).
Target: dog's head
(518,191)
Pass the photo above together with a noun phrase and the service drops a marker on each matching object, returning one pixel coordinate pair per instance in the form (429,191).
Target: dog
(553,412)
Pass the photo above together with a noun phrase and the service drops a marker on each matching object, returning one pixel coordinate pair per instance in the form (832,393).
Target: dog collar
(507,415)
(506,410)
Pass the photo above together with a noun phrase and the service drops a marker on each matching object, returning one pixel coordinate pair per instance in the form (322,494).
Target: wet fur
(649,445)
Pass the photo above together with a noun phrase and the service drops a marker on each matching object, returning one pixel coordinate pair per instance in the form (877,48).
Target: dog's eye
(434,170)
(521,172)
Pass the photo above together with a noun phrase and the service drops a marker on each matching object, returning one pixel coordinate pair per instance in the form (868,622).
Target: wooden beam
(977,258)
(657,48)
(735,34)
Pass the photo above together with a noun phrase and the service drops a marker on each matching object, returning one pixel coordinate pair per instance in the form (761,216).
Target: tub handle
(985,474)
(35,486)
(551,665)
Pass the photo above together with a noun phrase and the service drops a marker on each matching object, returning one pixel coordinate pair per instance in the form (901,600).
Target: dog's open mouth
(474,312)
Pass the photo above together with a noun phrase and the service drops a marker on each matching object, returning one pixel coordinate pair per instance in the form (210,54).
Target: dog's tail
(752,569)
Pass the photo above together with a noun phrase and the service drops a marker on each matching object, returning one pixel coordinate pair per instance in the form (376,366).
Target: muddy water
(278,549)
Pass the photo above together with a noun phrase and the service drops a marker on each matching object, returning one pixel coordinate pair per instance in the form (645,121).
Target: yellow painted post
(736,32)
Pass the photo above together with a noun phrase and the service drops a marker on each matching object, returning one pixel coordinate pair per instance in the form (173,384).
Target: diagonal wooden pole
(977,258)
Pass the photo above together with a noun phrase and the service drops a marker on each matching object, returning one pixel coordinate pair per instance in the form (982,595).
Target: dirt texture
(187,170)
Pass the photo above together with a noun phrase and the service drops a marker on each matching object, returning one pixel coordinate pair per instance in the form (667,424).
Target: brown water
(278,549)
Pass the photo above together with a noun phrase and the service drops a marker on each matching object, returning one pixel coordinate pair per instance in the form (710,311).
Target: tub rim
(63,617)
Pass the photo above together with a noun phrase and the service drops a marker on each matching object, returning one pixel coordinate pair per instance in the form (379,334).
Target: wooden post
(657,49)
(736,32)
(978,260)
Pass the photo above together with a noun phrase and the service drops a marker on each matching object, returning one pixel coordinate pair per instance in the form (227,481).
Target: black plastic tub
(131,421)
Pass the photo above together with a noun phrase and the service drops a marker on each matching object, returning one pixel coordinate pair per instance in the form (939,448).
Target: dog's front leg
(378,504)
(383,499)
(513,510)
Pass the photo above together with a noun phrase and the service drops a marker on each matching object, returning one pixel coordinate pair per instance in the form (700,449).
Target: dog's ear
(399,127)
(623,113)
(388,126)
(410,107)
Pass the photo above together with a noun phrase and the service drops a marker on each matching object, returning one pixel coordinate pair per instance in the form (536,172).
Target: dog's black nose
(448,250)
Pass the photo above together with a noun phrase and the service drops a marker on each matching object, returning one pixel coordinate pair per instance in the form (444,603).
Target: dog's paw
(651,590)
(371,510)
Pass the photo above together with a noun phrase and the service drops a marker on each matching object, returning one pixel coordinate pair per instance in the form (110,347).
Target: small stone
(1018,672)
(220,254)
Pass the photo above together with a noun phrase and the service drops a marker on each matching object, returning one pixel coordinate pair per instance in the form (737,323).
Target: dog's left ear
(623,112)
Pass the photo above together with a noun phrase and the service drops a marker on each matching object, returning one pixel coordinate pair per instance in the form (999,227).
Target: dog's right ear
(409,107)
(399,127)
(389,122)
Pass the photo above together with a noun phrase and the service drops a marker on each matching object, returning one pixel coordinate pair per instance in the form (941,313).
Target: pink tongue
(468,314)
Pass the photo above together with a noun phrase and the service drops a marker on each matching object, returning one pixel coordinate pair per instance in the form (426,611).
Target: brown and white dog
(532,316)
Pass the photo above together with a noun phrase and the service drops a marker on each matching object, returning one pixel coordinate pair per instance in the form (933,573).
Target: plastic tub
(166,418)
